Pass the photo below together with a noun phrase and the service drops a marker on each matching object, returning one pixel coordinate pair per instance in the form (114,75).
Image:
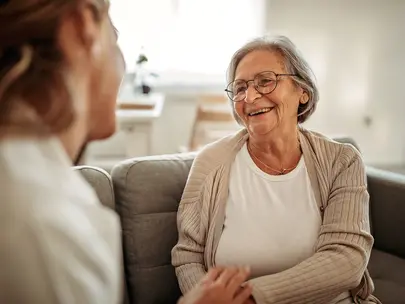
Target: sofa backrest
(148,191)
(347,140)
(387,206)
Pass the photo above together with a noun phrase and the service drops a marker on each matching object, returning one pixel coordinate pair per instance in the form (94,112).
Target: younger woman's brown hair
(34,98)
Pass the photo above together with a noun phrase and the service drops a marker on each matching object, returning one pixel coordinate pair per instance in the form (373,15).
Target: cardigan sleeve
(343,248)
(188,253)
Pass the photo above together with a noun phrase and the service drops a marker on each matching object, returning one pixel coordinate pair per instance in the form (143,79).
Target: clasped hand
(221,286)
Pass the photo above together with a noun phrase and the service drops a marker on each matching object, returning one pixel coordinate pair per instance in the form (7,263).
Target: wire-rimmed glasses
(264,83)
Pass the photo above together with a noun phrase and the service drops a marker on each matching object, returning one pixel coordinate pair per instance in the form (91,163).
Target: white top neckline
(276,178)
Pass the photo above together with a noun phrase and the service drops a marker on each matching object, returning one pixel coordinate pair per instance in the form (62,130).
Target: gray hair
(294,63)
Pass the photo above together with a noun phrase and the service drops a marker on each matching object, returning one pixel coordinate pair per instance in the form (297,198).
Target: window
(186,37)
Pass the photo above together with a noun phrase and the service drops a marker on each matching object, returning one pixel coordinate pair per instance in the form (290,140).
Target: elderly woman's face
(278,108)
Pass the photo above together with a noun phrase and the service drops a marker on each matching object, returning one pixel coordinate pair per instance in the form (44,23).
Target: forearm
(318,279)
(188,262)
(188,253)
(189,275)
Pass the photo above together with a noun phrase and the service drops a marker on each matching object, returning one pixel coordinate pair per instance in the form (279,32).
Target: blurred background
(177,51)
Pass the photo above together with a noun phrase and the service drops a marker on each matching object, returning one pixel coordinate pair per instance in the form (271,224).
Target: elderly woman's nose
(251,94)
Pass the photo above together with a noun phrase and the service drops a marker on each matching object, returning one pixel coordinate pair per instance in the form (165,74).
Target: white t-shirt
(272,222)
(58,244)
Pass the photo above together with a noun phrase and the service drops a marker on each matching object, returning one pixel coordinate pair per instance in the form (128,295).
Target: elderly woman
(289,203)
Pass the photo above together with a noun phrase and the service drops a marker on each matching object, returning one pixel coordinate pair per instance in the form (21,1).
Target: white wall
(357,51)
(173,128)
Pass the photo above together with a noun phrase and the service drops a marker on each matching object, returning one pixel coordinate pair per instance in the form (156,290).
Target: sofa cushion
(101,182)
(388,273)
(148,191)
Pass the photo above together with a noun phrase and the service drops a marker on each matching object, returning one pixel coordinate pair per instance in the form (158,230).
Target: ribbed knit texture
(344,244)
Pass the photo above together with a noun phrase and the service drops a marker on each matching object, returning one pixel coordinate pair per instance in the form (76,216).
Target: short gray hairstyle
(294,63)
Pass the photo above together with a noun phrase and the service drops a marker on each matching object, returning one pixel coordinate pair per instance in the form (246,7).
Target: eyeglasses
(264,83)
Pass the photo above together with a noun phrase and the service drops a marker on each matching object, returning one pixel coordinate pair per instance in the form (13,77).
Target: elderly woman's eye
(265,82)
(238,86)
(239,89)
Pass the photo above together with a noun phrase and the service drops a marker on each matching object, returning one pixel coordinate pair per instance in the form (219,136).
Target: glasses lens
(265,82)
(236,90)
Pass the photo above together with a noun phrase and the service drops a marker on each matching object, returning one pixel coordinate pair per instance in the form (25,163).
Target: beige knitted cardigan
(343,249)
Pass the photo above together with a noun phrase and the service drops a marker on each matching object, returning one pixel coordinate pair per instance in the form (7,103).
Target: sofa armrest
(387,206)
(101,182)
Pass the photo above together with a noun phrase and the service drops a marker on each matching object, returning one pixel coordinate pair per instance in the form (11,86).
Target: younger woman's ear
(78,33)
(89,27)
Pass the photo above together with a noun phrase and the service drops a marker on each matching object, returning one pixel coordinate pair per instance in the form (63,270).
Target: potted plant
(142,75)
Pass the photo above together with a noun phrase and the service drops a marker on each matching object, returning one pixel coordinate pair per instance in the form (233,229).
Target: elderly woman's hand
(220,285)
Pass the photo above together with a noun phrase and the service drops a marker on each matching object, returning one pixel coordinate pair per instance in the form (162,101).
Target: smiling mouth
(261,111)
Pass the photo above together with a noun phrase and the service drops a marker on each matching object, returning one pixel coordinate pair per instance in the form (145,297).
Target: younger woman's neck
(73,140)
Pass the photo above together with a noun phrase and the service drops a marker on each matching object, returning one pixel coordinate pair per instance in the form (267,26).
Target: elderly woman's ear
(304,98)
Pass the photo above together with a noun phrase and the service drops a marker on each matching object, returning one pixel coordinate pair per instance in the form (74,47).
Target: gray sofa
(147,192)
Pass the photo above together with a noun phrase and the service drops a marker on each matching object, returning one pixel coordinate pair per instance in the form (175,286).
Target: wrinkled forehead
(259,61)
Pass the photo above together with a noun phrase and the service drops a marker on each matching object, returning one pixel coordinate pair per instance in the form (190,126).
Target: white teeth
(264,110)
